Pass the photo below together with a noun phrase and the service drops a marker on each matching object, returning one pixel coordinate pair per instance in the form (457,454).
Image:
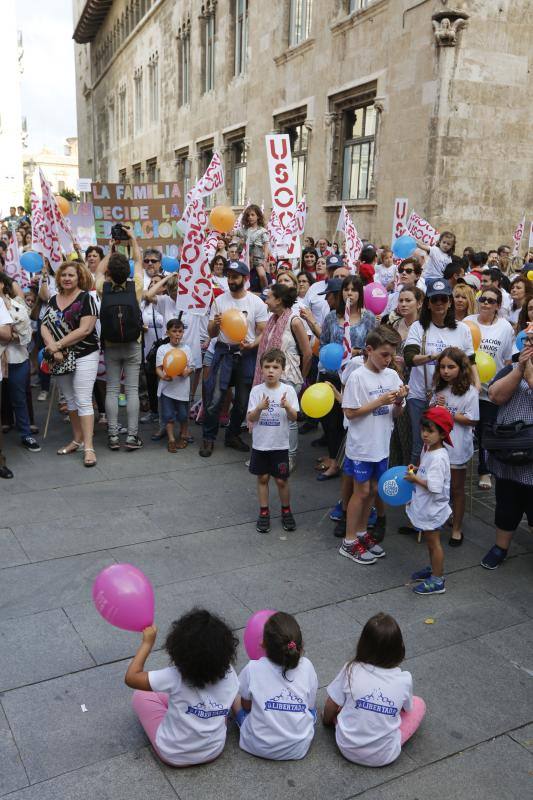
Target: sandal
(91,462)
(182,444)
(172,447)
(73,447)
(485,482)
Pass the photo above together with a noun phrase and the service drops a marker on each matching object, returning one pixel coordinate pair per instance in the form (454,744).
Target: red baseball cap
(442,419)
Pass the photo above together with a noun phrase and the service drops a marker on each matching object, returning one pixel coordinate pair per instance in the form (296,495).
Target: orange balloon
(316,346)
(174,362)
(476,333)
(233,325)
(63,204)
(222,219)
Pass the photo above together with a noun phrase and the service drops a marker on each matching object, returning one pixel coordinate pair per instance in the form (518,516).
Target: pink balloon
(376,297)
(124,597)
(253,633)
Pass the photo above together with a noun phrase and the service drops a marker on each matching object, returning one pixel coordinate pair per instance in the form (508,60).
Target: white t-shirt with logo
(253,308)
(436,263)
(437,340)
(179,387)
(497,340)
(192,336)
(194,728)
(369,436)
(5,319)
(271,431)
(317,303)
(280,725)
(368,724)
(384,275)
(430,508)
(462,436)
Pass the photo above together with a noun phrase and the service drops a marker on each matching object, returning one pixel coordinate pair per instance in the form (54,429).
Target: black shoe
(263,523)
(5,472)
(307,427)
(321,442)
(236,443)
(113,442)
(455,542)
(340,528)
(206,450)
(287,521)
(31,444)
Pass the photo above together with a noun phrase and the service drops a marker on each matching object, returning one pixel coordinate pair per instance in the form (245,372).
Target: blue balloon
(404,246)
(40,356)
(520,341)
(170,264)
(393,489)
(331,356)
(132,267)
(32,262)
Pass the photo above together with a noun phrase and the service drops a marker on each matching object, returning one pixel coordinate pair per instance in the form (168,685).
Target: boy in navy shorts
(270,407)
(373,397)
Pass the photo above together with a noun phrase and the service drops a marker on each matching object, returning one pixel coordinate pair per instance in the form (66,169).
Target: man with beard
(233,364)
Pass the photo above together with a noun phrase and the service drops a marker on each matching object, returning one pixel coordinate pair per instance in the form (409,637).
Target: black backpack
(120,315)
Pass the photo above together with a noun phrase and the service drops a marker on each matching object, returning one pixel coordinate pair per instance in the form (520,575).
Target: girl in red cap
(430,505)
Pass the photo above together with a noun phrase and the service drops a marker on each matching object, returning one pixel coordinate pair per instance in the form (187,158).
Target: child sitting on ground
(371,701)
(271,404)
(279,692)
(429,507)
(173,393)
(184,708)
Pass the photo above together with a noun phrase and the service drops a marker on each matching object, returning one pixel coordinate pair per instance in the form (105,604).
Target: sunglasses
(403,271)
(490,300)
(151,261)
(439,298)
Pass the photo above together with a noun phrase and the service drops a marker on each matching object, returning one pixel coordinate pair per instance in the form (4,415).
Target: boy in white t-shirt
(173,392)
(270,407)
(373,397)
(429,507)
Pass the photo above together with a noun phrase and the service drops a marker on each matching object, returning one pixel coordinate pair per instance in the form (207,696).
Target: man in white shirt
(233,363)
(6,332)
(314,298)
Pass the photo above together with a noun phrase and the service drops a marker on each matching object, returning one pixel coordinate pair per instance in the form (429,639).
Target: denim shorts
(363,471)
(173,410)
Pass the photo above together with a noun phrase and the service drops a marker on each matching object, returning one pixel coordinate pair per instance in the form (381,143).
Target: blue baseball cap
(332,286)
(239,267)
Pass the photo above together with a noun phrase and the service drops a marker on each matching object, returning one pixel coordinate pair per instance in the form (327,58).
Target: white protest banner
(210,246)
(517,236)
(530,243)
(12,265)
(300,217)
(353,244)
(37,223)
(399,218)
(420,229)
(51,247)
(283,190)
(194,277)
(211,180)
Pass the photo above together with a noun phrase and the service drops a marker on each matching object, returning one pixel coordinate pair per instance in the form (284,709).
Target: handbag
(511,444)
(64,367)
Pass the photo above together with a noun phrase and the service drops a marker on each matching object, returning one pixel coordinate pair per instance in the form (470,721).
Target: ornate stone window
(208,16)
(136,173)
(138,99)
(183,166)
(153,84)
(152,170)
(205,154)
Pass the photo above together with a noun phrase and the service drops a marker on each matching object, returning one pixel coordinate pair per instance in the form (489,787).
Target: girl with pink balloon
(278,689)
(184,707)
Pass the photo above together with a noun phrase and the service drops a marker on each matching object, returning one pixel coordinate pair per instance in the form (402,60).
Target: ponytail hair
(282,640)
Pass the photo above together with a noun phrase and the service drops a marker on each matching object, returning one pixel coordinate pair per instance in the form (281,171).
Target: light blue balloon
(331,356)
(520,341)
(170,264)
(393,489)
(132,267)
(404,246)
(32,262)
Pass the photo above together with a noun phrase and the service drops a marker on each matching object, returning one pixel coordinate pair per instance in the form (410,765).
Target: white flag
(353,244)
(195,288)
(51,247)
(211,180)
(12,265)
(517,236)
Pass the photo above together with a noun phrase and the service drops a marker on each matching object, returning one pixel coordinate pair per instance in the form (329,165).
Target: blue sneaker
(372,517)
(422,574)
(431,586)
(336,512)
(494,558)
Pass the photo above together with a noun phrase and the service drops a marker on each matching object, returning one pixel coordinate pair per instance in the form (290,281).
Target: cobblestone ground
(188,523)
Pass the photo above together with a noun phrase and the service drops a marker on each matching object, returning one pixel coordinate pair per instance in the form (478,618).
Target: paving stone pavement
(189,524)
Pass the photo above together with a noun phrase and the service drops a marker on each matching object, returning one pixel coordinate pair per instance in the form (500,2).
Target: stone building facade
(423,99)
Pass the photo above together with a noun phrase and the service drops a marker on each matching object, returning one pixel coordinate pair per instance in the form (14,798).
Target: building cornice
(358,16)
(91,18)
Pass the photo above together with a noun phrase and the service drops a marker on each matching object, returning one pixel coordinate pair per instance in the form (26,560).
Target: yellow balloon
(486,366)
(317,400)
(530,275)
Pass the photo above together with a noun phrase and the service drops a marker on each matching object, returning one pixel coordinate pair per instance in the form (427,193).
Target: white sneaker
(42,396)
(357,552)
(370,544)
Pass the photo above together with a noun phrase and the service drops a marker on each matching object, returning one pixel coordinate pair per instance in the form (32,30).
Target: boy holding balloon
(174,365)
(373,397)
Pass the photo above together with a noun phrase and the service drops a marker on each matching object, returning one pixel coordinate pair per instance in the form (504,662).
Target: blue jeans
(416,408)
(213,402)
(17,380)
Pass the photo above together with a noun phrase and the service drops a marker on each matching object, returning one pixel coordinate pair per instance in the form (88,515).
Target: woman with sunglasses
(497,337)
(435,330)
(409,273)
